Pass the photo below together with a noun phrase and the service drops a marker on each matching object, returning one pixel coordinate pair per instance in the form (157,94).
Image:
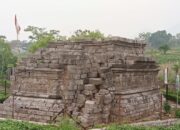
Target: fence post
(167,90)
(166,82)
(177,88)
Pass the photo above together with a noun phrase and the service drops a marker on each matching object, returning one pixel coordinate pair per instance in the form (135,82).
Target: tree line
(161,40)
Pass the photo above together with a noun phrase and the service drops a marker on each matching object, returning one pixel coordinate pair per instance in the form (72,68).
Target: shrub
(3,97)
(177,113)
(67,124)
(172,95)
(167,107)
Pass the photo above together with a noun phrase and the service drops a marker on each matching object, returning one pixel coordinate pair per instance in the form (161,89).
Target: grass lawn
(66,124)
(165,60)
(116,127)
(13,125)
(172,56)
(69,125)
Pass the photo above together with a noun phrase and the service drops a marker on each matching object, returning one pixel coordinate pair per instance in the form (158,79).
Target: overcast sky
(124,18)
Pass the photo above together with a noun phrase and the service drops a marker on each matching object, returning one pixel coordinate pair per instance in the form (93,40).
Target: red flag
(18,28)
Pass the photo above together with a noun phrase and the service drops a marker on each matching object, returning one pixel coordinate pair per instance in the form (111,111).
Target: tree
(2,37)
(86,35)
(159,38)
(40,37)
(144,36)
(164,48)
(178,35)
(6,57)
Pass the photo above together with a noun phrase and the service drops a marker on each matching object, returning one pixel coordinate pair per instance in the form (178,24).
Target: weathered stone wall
(134,106)
(94,82)
(32,109)
(37,83)
(135,80)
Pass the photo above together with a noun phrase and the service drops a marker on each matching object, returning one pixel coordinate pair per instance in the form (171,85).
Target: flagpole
(17,37)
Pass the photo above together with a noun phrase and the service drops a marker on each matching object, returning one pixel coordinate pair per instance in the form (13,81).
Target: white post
(166,82)
(166,76)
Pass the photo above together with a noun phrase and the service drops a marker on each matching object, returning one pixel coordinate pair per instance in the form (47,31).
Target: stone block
(107,99)
(89,104)
(83,76)
(95,81)
(81,100)
(90,87)
(92,75)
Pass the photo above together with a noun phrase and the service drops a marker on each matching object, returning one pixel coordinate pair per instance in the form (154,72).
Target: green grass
(172,96)
(172,56)
(66,124)
(13,125)
(165,60)
(168,58)
(126,127)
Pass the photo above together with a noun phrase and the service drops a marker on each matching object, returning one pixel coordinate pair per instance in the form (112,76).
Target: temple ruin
(91,81)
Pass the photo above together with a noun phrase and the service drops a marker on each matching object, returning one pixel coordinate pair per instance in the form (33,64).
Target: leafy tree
(178,35)
(2,37)
(144,36)
(159,38)
(40,37)
(164,48)
(6,56)
(86,35)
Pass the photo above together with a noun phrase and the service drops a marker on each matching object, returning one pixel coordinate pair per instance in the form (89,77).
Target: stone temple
(91,81)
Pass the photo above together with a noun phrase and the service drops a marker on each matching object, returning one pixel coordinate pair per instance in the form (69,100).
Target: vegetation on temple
(40,37)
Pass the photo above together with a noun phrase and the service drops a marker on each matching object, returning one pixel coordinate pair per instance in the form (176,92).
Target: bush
(67,123)
(177,113)
(2,82)
(3,97)
(172,95)
(167,107)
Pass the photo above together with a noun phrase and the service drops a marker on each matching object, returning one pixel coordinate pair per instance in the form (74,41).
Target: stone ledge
(118,41)
(44,69)
(133,70)
(167,122)
(135,91)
